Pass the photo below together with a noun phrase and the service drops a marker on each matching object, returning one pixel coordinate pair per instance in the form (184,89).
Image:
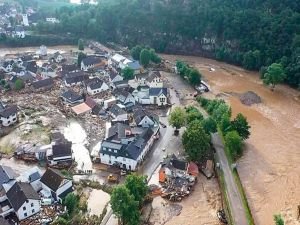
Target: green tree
(233,144)
(209,125)
(128,73)
(154,57)
(145,57)
(71,202)
(81,56)
(60,221)
(19,84)
(2,82)
(194,77)
(278,220)
(220,111)
(80,45)
(136,52)
(193,115)
(275,74)
(196,142)
(124,206)
(137,186)
(177,118)
(240,124)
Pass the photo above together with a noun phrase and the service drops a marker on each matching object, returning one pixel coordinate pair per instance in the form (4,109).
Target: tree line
(252,34)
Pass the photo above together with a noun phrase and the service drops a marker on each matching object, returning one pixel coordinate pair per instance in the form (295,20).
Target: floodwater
(75,133)
(270,167)
(97,201)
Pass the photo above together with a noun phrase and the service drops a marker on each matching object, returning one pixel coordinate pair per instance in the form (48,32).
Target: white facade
(7,121)
(66,184)
(116,78)
(20,34)
(110,160)
(156,83)
(47,74)
(29,208)
(59,58)
(158,100)
(104,87)
(25,20)
(52,20)
(43,50)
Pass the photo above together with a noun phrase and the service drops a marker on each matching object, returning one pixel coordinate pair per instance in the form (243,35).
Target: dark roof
(3,221)
(27,77)
(19,29)
(25,58)
(96,110)
(116,110)
(31,66)
(142,76)
(136,147)
(121,83)
(35,176)
(94,83)
(118,131)
(91,60)
(19,193)
(52,178)
(6,174)
(75,77)
(90,102)
(69,67)
(158,91)
(62,149)
(8,111)
(174,162)
(65,193)
(43,83)
(71,96)
(113,74)
(140,113)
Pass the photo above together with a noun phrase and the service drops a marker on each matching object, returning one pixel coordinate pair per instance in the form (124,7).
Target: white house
(25,20)
(116,60)
(32,176)
(124,97)
(55,184)
(127,156)
(118,113)
(154,80)
(114,77)
(95,86)
(158,96)
(60,153)
(141,95)
(90,62)
(47,72)
(43,50)
(8,114)
(57,57)
(75,78)
(144,118)
(24,200)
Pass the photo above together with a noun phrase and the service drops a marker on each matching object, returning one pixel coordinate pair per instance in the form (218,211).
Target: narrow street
(233,194)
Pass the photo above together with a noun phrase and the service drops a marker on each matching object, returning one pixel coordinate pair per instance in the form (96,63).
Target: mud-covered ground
(270,167)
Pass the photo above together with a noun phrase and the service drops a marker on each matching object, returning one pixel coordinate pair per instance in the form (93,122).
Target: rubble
(249,98)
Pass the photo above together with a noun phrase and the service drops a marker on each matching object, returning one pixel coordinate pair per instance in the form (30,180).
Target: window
(14,119)
(27,201)
(115,151)
(124,159)
(25,214)
(33,211)
(24,208)
(31,204)
(162,99)
(104,148)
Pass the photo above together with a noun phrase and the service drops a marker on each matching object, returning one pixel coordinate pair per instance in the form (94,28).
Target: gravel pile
(250,98)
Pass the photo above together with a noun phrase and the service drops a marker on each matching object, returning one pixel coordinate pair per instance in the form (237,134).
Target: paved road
(235,199)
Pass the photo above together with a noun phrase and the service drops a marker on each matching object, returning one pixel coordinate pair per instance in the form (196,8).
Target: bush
(233,144)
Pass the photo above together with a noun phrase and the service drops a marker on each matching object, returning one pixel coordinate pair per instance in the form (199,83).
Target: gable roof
(94,83)
(53,179)
(75,77)
(6,174)
(69,67)
(113,74)
(136,147)
(43,83)
(62,149)
(118,58)
(118,131)
(116,110)
(153,75)
(158,91)
(8,111)
(91,60)
(19,193)
(140,113)
(31,66)
(71,96)
(173,162)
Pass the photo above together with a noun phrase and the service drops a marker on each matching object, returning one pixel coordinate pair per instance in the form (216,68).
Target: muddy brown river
(270,167)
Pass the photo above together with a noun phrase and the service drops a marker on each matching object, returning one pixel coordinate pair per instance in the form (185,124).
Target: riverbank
(270,167)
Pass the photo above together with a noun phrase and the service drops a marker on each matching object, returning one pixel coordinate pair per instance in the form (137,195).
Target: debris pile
(249,98)
(177,178)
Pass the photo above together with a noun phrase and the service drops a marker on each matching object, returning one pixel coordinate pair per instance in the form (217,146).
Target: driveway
(235,199)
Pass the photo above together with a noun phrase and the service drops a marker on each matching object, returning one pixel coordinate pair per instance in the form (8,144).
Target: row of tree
(234,131)
(189,73)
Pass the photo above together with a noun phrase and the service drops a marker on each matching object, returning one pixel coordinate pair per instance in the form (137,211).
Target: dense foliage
(278,220)
(248,33)
(189,73)
(177,118)
(127,73)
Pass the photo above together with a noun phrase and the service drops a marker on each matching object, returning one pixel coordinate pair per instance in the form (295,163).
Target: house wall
(146,122)
(160,100)
(59,58)
(31,207)
(8,120)
(37,185)
(129,98)
(73,84)
(60,159)
(156,83)
(110,160)
(146,149)
(117,78)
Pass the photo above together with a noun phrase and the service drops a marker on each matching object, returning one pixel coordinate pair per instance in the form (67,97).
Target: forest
(250,33)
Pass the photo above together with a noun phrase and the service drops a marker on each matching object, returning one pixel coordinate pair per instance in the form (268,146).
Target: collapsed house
(177,178)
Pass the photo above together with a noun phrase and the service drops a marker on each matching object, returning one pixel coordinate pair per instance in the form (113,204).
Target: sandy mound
(249,98)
